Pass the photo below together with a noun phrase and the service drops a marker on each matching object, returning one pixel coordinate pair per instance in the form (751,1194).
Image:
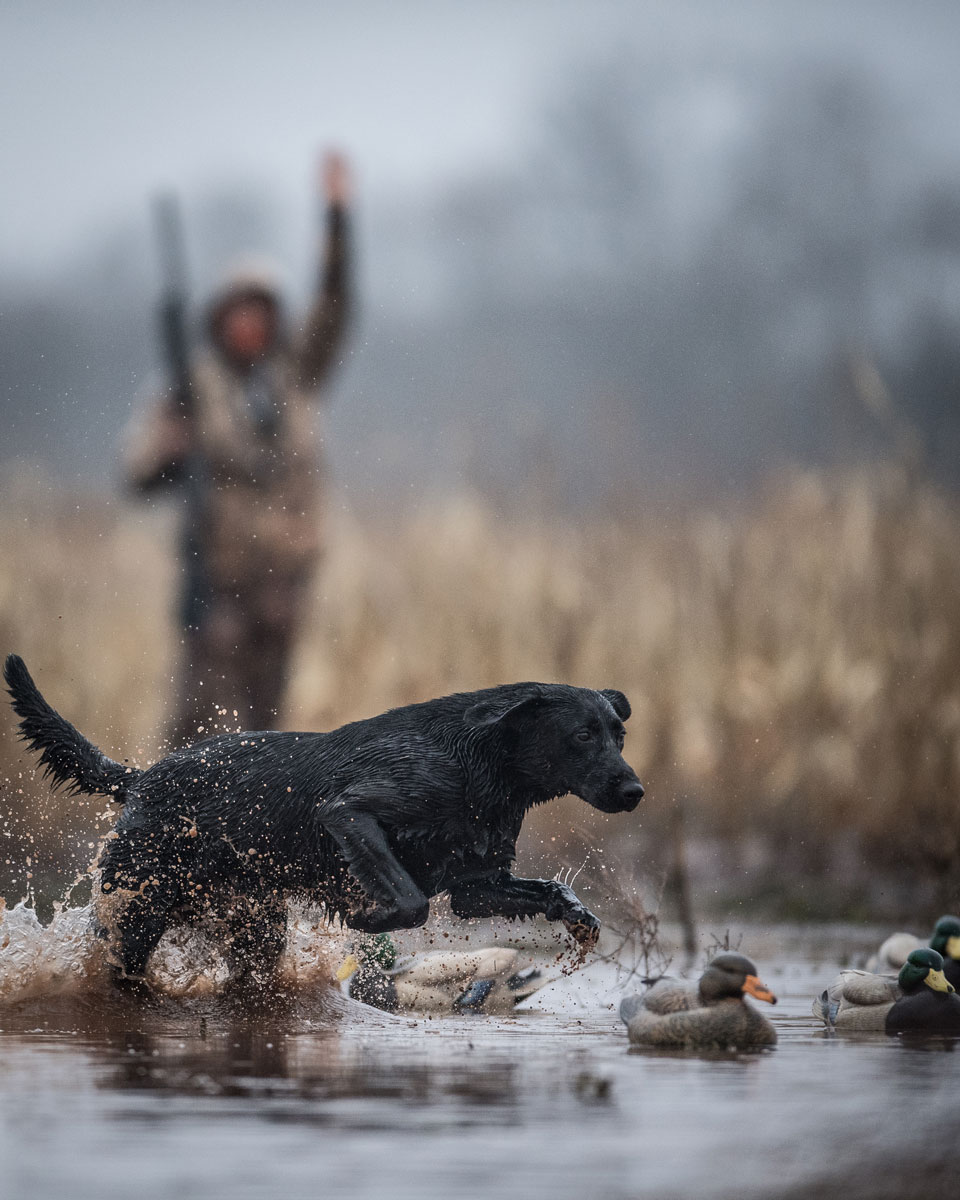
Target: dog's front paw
(583,927)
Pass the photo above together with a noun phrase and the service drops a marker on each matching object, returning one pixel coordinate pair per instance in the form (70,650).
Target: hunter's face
(247,329)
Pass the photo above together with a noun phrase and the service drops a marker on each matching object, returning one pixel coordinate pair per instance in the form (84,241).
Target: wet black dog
(370,820)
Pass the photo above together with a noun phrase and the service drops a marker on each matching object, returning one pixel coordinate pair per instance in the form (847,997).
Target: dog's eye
(584,735)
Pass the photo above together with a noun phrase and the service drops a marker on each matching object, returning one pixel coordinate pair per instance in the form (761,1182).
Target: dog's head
(563,739)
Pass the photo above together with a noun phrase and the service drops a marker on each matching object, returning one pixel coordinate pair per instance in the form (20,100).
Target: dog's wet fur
(370,820)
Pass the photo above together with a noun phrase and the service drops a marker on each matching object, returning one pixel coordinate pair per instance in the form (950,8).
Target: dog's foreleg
(399,903)
(504,895)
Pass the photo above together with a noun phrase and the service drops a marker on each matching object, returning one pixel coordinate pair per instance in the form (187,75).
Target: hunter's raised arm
(327,320)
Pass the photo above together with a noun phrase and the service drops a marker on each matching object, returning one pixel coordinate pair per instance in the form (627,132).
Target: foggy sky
(105,101)
(636,240)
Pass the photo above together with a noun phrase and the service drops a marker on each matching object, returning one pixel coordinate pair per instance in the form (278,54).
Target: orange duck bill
(758,989)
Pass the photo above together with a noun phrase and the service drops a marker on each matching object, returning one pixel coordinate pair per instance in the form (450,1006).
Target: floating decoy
(919,1000)
(442,981)
(945,939)
(709,1013)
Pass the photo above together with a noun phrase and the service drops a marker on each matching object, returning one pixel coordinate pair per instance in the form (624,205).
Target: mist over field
(664,247)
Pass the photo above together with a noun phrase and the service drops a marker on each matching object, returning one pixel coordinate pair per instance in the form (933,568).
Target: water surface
(193,1096)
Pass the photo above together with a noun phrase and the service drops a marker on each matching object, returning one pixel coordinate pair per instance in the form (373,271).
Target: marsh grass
(793,663)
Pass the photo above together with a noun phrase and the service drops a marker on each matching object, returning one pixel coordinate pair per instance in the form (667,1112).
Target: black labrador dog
(369,820)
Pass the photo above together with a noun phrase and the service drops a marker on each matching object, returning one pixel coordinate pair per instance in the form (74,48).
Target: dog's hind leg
(140,923)
(140,886)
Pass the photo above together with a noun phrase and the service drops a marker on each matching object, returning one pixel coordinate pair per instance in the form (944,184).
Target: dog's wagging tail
(68,758)
(369,820)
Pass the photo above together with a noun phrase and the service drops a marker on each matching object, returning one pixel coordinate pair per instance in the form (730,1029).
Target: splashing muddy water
(188,1093)
(66,958)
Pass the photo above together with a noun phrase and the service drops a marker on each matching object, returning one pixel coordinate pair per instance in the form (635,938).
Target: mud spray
(66,958)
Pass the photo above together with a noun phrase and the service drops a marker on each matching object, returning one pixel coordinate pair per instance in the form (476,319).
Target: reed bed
(793,662)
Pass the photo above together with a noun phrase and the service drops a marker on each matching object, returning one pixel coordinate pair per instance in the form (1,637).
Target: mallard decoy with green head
(443,981)
(929,1003)
(945,939)
(919,1000)
(709,1013)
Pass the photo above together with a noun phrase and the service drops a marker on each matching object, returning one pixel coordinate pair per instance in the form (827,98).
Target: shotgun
(195,594)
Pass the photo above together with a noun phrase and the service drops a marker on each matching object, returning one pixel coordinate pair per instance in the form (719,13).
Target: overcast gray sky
(648,133)
(102,102)
(106,101)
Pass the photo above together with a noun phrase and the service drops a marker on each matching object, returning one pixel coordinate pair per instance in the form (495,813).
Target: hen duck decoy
(444,981)
(919,1000)
(945,939)
(710,1013)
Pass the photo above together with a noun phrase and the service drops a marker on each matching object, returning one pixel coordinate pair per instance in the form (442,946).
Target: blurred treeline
(793,664)
(690,276)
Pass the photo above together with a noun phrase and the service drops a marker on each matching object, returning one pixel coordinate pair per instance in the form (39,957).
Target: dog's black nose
(631,794)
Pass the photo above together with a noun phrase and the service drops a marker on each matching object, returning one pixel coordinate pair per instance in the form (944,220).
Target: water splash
(54,960)
(66,958)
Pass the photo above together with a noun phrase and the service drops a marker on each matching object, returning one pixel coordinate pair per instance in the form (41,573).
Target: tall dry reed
(793,662)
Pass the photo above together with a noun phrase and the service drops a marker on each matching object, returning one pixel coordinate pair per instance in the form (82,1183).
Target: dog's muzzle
(617,797)
(630,795)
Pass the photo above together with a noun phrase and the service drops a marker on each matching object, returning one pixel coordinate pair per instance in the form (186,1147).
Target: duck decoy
(945,939)
(710,1013)
(442,981)
(919,1000)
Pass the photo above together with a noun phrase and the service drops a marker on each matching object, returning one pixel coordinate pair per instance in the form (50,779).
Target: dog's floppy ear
(618,702)
(493,711)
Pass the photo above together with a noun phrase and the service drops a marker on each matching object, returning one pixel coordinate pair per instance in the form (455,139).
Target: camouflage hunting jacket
(256,444)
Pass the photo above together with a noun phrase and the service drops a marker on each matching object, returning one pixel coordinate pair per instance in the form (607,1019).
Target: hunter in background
(236,433)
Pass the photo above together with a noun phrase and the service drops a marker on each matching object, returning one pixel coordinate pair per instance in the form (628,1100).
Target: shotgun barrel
(195,592)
